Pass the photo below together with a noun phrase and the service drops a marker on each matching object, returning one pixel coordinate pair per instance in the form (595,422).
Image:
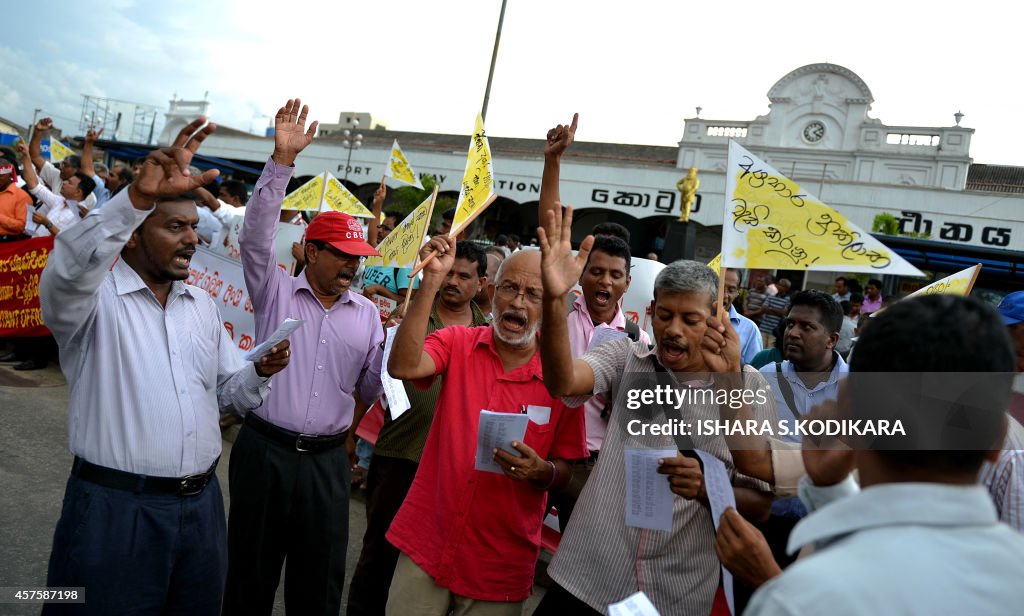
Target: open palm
(290,133)
(560,269)
(166,171)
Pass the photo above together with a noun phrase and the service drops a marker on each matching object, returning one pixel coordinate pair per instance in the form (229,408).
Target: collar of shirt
(893,504)
(618,321)
(301,282)
(529,370)
(840,368)
(734,316)
(127,280)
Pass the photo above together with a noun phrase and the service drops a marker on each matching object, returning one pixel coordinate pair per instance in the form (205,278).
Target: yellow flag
(339,199)
(398,168)
(771,222)
(400,247)
(477,190)
(716,264)
(306,197)
(59,151)
(959,283)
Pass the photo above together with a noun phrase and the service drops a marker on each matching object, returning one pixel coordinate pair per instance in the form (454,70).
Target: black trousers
(386,487)
(139,553)
(286,504)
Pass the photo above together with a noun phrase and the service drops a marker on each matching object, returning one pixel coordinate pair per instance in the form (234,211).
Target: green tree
(885,223)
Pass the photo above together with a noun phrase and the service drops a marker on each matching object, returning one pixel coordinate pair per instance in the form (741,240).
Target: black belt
(303,443)
(121,480)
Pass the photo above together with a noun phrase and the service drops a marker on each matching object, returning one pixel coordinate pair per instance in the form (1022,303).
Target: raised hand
(290,133)
(22,148)
(44,125)
(165,172)
(561,137)
(92,135)
(379,195)
(560,269)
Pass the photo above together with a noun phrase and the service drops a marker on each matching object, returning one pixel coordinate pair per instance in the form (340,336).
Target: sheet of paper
(633,605)
(649,498)
(394,390)
(283,330)
(498,430)
(539,415)
(30,227)
(720,497)
(603,335)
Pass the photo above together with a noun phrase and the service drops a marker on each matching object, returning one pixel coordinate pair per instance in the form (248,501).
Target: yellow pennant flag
(339,199)
(959,283)
(477,190)
(398,168)
(716,264)
(306,197)
(771,222)
(400,247)
(59,151)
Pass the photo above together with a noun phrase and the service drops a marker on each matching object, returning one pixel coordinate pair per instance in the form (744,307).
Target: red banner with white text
(21,264)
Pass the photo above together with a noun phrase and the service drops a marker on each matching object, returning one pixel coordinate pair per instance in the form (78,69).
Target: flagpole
(494,59)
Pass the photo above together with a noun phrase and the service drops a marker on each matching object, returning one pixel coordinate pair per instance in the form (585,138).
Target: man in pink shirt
(289,472)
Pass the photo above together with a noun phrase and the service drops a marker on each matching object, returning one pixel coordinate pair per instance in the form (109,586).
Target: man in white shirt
(57,212)
(922,537)
(50,175)
(149,365)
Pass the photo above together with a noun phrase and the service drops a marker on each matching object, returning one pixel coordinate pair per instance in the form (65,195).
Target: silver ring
(512,469)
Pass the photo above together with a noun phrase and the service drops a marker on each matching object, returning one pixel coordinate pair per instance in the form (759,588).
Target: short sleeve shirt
(478,533)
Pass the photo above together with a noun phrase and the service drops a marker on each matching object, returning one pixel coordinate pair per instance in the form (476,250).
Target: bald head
(525,261)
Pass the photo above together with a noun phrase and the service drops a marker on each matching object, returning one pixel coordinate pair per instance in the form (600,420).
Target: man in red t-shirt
(469,538)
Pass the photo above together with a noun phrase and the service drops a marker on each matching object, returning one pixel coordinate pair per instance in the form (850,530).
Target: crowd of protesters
(818,526)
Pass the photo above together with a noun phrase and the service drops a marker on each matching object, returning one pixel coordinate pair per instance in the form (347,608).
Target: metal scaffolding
(120,120)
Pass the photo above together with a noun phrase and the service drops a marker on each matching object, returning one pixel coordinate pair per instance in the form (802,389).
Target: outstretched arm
(408,360)
(84,253)
(560,269)
(35,143)
(259,263)
(558,141)
(87,164)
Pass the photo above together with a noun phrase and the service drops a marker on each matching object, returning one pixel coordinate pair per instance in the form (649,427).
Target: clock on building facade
(814,132)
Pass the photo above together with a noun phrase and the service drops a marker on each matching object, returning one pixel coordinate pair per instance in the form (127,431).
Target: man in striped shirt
(774,309)
(601,560)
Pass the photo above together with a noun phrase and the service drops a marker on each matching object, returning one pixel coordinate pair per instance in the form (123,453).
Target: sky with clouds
(633,70)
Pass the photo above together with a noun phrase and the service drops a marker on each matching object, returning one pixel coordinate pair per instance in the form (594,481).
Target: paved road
(34,465)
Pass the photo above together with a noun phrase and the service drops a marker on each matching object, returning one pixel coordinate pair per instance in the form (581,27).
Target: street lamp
(351,142)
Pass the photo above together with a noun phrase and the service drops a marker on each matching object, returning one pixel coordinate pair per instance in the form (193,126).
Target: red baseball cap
(341,231)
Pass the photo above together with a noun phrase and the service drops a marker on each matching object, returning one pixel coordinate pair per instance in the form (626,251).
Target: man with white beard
(470,539)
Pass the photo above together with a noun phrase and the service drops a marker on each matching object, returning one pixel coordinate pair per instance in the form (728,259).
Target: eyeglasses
(510,291)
